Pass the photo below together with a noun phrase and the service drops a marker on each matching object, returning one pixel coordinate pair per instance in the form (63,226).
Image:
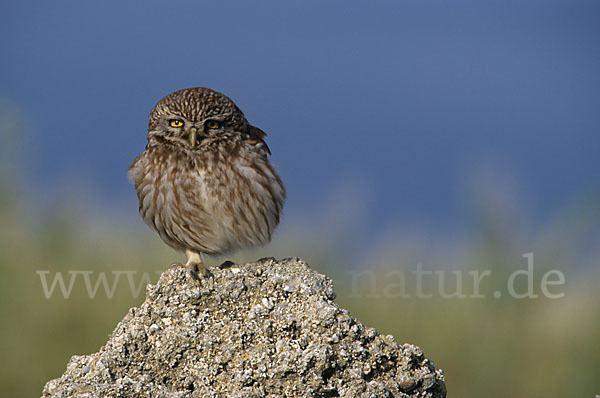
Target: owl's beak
(192,136)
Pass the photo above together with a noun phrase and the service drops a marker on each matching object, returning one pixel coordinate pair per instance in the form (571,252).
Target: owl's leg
(195,265)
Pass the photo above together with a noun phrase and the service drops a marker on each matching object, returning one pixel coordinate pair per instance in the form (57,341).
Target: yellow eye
(175,123)
(212,124)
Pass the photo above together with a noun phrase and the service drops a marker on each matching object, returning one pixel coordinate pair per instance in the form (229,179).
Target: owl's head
(187,117)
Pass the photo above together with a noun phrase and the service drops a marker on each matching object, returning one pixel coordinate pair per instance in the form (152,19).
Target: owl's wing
(256,136)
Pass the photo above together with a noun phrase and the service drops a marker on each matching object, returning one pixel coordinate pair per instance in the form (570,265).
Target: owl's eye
(175,123)
(212,124)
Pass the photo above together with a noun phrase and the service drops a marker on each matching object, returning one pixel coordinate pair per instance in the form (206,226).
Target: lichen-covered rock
(266,329)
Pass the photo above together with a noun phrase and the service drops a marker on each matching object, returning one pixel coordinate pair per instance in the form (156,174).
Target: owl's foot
(198,271)
(195,265)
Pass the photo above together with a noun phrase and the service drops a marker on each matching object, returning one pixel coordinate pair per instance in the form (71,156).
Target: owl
(204,182)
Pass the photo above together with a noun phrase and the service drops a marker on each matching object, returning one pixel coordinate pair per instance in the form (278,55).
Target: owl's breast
(212,202)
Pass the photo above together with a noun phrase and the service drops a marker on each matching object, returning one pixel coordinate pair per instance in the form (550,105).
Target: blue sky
(409,102)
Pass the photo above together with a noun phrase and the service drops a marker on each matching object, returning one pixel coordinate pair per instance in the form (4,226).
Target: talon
(199,275)
(198,271)
(194,275)
(196,267)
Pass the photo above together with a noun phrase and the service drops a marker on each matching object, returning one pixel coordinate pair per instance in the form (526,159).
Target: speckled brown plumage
(206,186)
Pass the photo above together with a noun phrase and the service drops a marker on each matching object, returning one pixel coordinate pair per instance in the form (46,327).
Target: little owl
(204,182)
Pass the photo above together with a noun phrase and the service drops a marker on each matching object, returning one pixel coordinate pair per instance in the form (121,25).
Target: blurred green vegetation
(487,347)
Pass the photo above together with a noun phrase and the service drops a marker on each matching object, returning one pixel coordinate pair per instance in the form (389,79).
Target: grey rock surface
(265,329)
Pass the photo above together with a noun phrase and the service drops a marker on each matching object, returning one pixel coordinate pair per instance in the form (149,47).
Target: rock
(267,329)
